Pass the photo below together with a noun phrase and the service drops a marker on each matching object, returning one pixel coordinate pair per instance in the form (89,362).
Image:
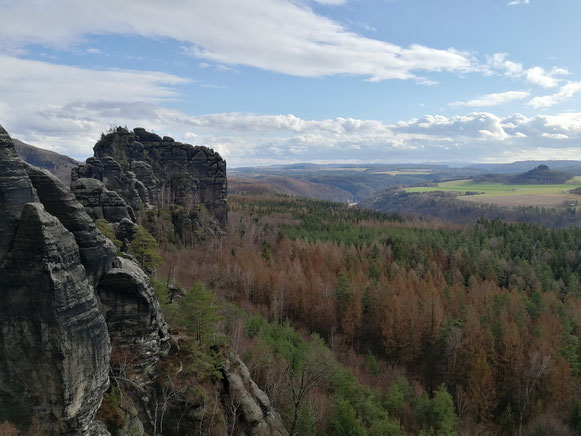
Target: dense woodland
(438,328)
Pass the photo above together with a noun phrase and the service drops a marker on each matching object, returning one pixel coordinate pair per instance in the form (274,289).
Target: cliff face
(65,298)
(144,168)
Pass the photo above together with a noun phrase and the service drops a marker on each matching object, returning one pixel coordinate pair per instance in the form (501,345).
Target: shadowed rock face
(143,167)
(55,347)
(100,202)
(133,314)
(15,190)
(98,253)
(55,333)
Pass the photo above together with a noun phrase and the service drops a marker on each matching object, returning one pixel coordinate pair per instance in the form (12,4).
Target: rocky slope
(144,168)
(65,300)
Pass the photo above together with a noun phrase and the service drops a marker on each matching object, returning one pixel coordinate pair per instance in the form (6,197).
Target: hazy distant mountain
(570,166)
(58,164)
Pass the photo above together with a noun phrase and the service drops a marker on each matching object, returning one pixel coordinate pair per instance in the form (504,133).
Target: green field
(497,189)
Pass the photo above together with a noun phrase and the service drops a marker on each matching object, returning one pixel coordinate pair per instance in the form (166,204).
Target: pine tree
(199,314)
(145,249)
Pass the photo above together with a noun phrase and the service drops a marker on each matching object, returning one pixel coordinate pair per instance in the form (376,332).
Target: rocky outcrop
(15,191)
(54,342)
(256,411)
(98,253)
(101,203)
(110,173)
(65,297)
(144,168)
(134,318)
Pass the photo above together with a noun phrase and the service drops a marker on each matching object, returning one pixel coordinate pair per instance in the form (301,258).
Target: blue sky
(282,81)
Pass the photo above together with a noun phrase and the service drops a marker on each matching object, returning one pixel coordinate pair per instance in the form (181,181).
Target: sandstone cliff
(146,169)
(65,298)
(73,314)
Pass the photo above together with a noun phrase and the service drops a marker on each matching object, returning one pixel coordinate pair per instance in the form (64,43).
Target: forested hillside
(438,328)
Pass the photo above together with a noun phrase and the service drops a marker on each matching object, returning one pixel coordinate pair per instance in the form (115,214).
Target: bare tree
(454,343)
(313,372)
(537,368)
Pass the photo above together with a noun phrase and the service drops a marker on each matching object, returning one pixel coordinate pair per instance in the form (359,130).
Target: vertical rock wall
(56,331)
(143,167)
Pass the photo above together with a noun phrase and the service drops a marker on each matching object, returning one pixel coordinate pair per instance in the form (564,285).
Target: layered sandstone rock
(257,412)
(144,168)
(136,324)
(100,202)
(65,297)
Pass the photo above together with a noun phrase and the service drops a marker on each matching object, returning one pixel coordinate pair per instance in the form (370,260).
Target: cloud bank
(41,104)
(283,36)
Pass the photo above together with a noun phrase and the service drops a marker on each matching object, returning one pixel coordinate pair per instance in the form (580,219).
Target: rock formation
(71,309)
(101,203)
(133,315)
(55,347)
(65,298)
(257,412)
(146,169)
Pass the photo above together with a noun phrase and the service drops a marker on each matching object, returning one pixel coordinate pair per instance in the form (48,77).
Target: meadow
(508,194)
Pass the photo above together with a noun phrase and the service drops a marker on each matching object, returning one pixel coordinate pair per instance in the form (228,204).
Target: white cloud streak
(495,99)
(284,36)
(566,92)
(519,2)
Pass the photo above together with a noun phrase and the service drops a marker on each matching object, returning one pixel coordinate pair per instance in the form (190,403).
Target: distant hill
(58,164)
(541,175)
(288,186)
(573,166)
(341,182)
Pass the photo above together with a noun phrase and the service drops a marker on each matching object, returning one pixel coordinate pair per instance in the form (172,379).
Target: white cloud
(519,2)
(546,79)
(94,51)
(330,2)
(567,91)
(284,36)
(495,99)
(66,108)
(537,75)
(55,104)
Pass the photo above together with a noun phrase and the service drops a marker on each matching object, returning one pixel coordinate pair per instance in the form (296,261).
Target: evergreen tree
(145,249)
(199,314)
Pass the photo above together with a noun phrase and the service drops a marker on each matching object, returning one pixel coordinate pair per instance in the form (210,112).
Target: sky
(268,82)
